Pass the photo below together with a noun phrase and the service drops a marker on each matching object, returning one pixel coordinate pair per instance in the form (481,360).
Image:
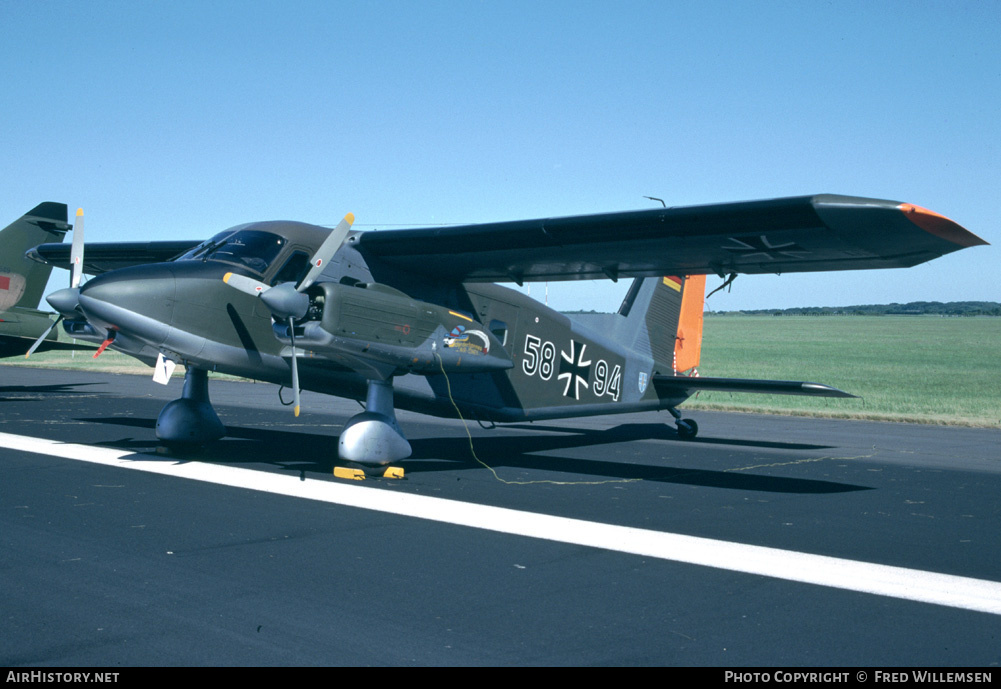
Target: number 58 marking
(540,357)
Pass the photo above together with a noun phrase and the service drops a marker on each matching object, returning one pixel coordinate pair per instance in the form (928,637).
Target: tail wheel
(687,429)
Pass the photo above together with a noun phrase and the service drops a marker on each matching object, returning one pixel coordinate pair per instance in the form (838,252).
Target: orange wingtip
(939,225)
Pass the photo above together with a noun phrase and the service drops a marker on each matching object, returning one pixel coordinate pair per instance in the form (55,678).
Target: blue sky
(176,120)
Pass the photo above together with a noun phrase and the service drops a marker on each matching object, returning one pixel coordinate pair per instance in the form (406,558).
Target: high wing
(102,257)
(799,234)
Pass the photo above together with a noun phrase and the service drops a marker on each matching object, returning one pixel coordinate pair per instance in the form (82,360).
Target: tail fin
(688,339)
(22,281)
(666,319)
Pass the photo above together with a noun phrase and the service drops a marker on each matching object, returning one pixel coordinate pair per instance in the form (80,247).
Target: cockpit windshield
(252,249)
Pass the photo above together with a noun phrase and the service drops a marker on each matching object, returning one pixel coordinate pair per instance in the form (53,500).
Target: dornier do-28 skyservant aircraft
(412,319)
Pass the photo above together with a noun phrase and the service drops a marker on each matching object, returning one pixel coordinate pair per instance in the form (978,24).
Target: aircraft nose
(137,301)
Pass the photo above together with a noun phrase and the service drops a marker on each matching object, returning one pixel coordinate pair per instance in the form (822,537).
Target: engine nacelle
(378,324)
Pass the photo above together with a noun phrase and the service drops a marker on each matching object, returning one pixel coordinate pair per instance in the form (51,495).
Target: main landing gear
(373,437)
(687,428)
(190,421)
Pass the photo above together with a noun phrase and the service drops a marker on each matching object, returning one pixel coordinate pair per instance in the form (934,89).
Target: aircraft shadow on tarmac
(13,393)
(660,431)
(316,454)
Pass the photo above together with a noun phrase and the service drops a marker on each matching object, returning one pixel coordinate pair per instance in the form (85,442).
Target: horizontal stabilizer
(49,216)
(685,386)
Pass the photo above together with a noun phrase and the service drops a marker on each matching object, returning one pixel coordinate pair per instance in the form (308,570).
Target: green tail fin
(22,281)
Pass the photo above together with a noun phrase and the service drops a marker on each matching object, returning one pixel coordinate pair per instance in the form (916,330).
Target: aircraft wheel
(687,429)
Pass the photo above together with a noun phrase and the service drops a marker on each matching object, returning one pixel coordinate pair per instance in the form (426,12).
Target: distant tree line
(914,308)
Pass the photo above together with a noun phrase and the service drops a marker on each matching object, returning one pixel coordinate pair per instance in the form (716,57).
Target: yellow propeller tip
(297,412)
(79,212)
(226,277)
(350,218)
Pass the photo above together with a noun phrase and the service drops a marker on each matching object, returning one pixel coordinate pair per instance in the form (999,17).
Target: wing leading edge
(800,234)
(104,256)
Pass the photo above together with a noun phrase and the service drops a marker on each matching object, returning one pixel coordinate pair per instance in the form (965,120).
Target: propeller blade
(76,250)
(327,250)
(247,285)
(295,369)
(42,338)
(66,300)
(282,299)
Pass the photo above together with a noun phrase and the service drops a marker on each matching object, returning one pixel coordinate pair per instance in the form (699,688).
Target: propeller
(289,301)
(76,250)
(66,300)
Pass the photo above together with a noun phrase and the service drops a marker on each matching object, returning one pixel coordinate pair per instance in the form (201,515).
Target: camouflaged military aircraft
(22,282)
(412,319)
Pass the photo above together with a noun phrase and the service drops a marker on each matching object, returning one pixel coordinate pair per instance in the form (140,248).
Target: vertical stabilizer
(22,281)
(663,319)
(688,340)
(674,322)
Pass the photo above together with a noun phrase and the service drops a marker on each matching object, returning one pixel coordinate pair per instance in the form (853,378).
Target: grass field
(906,368)
(924,369)
(110,361)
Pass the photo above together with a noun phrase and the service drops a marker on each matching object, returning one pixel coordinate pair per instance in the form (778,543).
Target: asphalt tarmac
(101,565)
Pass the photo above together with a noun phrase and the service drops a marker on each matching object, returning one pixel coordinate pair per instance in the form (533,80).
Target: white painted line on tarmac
(850,575)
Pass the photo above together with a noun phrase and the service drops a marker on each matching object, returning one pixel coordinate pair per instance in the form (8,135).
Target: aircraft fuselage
(490,350)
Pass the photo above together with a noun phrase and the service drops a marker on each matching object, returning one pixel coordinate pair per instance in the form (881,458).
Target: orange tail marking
(688,345)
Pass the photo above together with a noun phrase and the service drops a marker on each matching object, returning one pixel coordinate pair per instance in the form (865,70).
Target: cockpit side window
(205,246)
(294,270)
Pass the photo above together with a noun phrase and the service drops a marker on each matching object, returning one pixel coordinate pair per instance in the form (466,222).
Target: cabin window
(499,330)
